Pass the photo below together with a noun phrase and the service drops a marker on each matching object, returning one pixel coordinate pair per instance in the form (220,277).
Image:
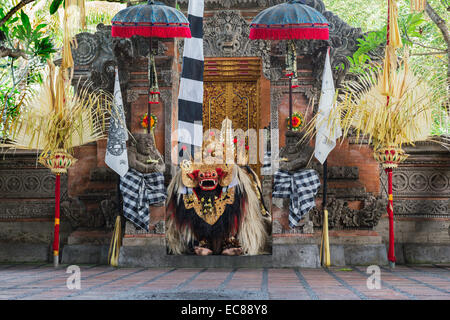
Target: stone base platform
(348,247)
(86,247)
(288,250)
(24,252)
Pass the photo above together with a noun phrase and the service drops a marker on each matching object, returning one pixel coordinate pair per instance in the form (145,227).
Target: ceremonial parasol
(289,21)
(153,19)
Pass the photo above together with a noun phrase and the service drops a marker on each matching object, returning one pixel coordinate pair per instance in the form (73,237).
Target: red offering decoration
(296,122)
(390,212)
(153,121)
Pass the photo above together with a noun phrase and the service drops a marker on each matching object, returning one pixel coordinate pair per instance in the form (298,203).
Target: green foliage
(32,41)
(18,75)
(94,18)
(361,60)
(420,36)
(54,6)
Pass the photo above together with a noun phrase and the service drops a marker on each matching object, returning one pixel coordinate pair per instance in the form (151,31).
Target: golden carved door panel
(237,100)
(231,89)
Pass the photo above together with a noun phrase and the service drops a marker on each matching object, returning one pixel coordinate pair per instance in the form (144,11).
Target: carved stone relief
(341,172)
(341,216)
(275,97)
(27,209)
(27,189)
(157,228)
(424,208)
(28,183)
(226,34)
(74,211)
(414,182)
(94,52)
(98,53)
(421,184)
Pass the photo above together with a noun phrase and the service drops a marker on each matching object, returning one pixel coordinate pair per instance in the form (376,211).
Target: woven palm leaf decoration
(57,119)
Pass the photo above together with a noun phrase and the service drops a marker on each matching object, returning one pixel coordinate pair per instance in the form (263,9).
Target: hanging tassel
(389,69)
(116,243)
(418,5)
(395,39)
(393,42)
(291,63)
(82,6)
(325,243)
(154,88)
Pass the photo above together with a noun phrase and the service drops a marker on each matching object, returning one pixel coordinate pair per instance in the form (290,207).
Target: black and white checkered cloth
(139,191)
(300,187)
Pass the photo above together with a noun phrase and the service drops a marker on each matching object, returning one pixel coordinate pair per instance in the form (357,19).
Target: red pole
(390,212)
(390,206)
(56,233)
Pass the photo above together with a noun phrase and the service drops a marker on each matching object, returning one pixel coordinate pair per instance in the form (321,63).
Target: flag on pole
(328,124)
(116,156)
(190,97)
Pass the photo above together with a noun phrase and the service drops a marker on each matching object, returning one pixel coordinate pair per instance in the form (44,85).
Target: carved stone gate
(354,177)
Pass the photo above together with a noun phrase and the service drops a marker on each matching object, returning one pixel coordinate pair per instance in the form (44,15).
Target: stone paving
(43,282)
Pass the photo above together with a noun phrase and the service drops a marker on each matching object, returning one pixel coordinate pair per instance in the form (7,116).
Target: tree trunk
(11,12)
(13,53)
(441,24)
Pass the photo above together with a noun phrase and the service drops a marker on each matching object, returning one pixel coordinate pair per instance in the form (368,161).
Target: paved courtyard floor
(43,282)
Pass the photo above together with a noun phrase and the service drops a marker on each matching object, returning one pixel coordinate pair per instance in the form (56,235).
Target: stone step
(302,250)
(24,252)
(85,254)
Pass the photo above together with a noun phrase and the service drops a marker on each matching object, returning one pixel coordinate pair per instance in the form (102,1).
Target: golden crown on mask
(218,151)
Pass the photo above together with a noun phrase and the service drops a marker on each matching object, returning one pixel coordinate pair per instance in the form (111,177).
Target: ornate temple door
(231,89)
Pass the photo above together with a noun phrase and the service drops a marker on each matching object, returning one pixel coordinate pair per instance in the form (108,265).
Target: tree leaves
(25,22)
(55,6)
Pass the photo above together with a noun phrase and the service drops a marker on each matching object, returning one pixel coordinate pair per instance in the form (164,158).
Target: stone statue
(143,156)
(297,152)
